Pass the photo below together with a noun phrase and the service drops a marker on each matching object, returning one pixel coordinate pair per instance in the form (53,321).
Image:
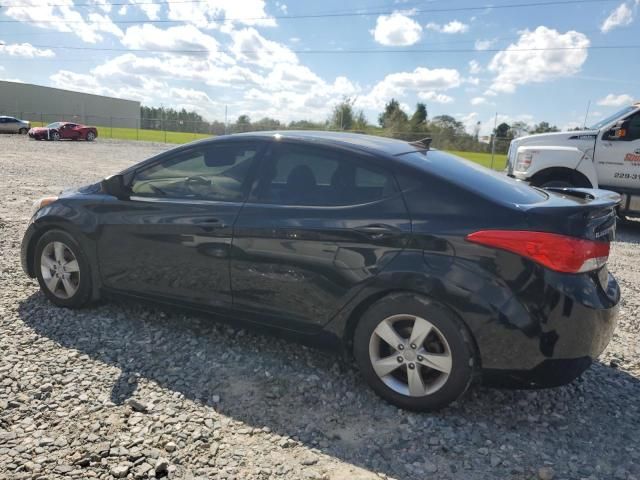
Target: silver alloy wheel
(55,136)
(60,270)
(410,355)
(91,136)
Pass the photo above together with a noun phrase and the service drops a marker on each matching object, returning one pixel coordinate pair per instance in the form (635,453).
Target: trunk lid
(576,212)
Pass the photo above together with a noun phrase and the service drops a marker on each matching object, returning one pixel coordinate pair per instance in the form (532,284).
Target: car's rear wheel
(91,136)
(55,136)
(413,352)
(62,270)
(23,131)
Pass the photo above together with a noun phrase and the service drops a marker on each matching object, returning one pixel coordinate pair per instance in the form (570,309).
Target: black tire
(55,136)
(460,346)
(82,295)
(23,131)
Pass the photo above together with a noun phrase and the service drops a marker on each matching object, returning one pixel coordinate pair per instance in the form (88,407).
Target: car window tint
(215,172)
(299,175)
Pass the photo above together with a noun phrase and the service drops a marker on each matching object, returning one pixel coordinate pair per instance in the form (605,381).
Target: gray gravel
(125,390)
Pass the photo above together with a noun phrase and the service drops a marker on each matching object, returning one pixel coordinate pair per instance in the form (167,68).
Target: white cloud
(150,9)
(25,50)
(251,47)
(484,44)
(473,80)
(63,18)
(212,13)
(452,27)
(422,79)
(183,38)
(621,16)
(190,95)
(478,101)
(538,56)
(396,30)
(435,97)
(123,10)
(612,100)
(474,67)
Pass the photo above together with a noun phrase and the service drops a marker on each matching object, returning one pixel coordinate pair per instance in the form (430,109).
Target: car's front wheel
(55,136)
(62,269)
(23,131)
(91,136)
(413,352)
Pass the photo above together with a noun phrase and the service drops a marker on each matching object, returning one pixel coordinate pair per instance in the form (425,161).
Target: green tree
(343,115)
(393,117)
(419,118)
(502,130)
(544,127)
(243,124)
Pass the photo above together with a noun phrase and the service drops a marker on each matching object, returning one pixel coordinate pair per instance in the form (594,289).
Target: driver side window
(212,172)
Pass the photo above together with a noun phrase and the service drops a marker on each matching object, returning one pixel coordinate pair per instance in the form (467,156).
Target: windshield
(611,118)
(54,125)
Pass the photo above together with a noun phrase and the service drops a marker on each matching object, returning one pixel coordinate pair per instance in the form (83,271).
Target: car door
(319,223)
(617,155)
(173,236)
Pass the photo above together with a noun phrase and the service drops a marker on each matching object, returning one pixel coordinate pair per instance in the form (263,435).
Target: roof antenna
(424,143)
(584,125)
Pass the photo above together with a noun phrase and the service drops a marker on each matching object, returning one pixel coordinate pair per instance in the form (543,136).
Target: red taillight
(557,252)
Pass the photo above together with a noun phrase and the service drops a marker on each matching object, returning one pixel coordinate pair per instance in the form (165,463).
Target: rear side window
(474,177)
(301,175)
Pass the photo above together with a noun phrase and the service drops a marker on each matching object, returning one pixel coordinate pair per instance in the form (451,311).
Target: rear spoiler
(605,197)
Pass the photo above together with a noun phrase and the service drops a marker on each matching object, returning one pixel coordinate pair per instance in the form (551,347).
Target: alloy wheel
(60,270)
(410,355)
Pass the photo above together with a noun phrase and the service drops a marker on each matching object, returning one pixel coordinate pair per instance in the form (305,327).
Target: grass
(484,159)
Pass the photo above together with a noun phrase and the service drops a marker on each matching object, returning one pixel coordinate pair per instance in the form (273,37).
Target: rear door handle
(378,230)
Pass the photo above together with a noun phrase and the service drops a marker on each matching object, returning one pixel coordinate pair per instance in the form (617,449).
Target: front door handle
(378,230)
(210,223)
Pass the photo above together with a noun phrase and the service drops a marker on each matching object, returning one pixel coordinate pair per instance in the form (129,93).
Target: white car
(606,156)
(13,125)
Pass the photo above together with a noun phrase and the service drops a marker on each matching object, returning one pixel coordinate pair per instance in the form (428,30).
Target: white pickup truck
(606,155)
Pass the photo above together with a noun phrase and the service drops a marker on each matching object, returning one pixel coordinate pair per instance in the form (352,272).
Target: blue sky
(257,58)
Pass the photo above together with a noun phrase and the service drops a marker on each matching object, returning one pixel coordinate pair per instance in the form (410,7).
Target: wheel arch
(68,227)
(576,177)
(363,305)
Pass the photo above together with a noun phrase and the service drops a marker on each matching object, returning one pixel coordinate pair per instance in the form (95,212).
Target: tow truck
(605,155)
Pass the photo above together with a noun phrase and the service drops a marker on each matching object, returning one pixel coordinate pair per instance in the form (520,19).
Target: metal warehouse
(46,104)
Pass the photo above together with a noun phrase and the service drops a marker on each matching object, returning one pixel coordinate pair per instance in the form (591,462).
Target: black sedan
(429,270)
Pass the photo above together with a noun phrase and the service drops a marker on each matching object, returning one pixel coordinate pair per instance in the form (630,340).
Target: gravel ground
(130,390)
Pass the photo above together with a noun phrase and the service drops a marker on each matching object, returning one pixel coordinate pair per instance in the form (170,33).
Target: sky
(294,60)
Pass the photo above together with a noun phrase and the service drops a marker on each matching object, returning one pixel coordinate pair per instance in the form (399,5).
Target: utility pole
(493,141)
(225,119)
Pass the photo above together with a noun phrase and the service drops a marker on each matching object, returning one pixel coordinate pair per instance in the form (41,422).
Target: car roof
(359,141)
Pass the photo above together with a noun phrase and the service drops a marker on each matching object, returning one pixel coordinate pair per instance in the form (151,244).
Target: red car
(64,131)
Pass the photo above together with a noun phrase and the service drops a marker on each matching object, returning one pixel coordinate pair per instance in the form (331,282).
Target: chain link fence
(489,150)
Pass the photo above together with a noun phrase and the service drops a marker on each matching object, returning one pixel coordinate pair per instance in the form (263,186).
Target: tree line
(447,132)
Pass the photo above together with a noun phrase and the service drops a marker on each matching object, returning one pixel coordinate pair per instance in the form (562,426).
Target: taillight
(556,252)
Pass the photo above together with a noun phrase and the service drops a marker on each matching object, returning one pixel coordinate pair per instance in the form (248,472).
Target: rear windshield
(474,177)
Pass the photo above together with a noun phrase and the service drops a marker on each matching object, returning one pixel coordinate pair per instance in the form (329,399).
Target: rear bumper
(549,373)
(551,340)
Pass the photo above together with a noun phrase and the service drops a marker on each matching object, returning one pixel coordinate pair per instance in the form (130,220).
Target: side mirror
(115,186)
(617,132)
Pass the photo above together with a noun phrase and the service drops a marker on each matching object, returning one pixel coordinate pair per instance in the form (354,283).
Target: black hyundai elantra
(429,270)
